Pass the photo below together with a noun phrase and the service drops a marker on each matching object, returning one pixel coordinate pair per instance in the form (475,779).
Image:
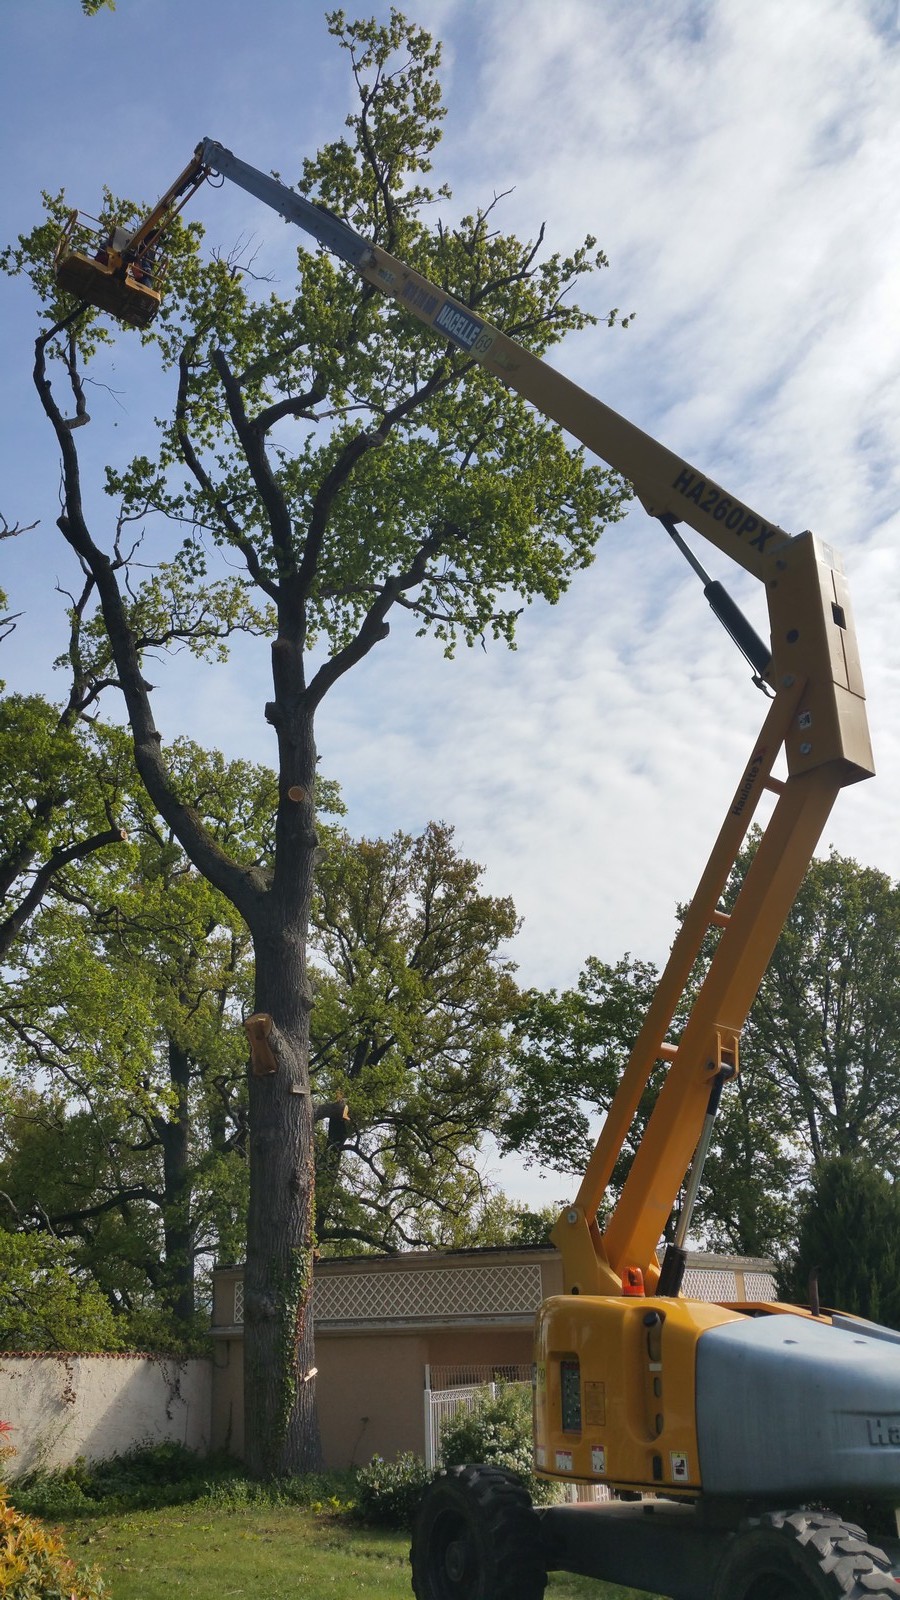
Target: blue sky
(740,166)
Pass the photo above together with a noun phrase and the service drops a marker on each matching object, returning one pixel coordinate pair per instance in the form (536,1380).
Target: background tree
(819,1071)
(819,1056)
(569,1052)
(413,1002)
(59,803)
(46,1301)
(849,1238)
(825,1027)
(124,1011)
(124,1133)
(409,481)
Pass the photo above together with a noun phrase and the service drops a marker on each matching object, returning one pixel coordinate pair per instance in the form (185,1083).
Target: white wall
(62,1407)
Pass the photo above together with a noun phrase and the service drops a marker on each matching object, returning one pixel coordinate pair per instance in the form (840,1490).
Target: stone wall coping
(97,1355)
(411,1260)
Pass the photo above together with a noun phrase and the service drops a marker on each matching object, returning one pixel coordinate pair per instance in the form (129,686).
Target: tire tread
(505,1506)
(842,1563)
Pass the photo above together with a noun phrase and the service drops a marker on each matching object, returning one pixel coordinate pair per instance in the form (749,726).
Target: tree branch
(241,885)
(374,626)
(13,924)
(253,445)
(194,465)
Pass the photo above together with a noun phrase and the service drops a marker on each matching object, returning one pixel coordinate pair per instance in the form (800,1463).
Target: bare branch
(12,530)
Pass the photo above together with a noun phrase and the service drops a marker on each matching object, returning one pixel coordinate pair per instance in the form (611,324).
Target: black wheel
(477,1537)
(803,1556)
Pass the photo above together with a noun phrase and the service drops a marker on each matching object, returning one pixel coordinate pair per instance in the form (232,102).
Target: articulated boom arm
(168,206)
(665,484)
(817,717)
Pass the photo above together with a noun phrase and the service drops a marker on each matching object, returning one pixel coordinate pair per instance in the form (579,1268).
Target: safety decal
(598,1458)
(540,1456)
(564,1461)
(594,1403)
(679,1464)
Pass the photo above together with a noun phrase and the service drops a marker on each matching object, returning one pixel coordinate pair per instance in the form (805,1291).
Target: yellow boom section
(817,718)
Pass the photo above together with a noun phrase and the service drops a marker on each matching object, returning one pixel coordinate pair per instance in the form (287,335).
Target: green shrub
(152,1477)
(145,1478)
(498,1432)
(34,1564)
(388,1492)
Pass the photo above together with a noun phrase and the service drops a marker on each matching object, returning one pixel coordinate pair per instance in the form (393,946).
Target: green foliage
(46,1301)
(569,1052)
(163,1474)
(388,1493)
(827,1019)
(34,1564)
(91,7)
(849,1234)
(820,1073)
(413,1003)
(129,1007)
(60,792)
(498,1432)
(501,1223)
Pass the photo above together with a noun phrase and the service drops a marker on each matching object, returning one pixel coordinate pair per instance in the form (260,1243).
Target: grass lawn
(260,1553)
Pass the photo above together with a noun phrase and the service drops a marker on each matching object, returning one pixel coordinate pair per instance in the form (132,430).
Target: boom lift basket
(94,265)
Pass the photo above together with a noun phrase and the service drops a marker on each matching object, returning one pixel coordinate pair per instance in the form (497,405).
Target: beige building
(395,1332)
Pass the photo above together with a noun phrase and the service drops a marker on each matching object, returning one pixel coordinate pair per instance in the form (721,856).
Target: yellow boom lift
(721,1430)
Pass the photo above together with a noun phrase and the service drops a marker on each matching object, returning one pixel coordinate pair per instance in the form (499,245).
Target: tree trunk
(178,1224)
(281,1423)
(279,1359)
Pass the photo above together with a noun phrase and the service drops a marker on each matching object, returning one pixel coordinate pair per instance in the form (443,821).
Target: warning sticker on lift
(540,1456)
(594,1404)
(598,1458)
(679,1465)
(564,1461)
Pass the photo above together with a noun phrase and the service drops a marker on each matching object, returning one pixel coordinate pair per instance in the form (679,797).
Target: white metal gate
(442,1404)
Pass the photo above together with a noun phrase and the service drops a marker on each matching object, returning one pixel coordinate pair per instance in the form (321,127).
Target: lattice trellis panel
(760,1286)
(449,1292)
(705,1283)
(503,1290)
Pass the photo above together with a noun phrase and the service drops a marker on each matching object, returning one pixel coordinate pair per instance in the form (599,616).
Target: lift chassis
(717,1429)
